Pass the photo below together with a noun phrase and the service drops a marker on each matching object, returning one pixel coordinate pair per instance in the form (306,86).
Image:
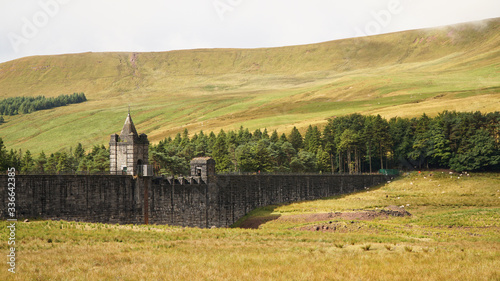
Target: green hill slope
(404,74)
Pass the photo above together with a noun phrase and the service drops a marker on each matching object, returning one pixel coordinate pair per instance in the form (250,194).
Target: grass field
(400,74)
(452,234)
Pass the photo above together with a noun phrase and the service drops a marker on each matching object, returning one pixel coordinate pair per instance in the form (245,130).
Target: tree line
(77,160)
(22,105)
(347,144)
(355,143)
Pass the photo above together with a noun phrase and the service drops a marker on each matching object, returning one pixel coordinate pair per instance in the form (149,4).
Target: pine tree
(211,141)
(101,160)
(243,136)
(480,151)
(402,139)
(257,135)
(262,156)
(63,164)
(14,159)
(40,162)
(323,161)
(439,151)
(178,139)
(79,152)
(289,151)
(245,156)
(368,135)
(421,140)
(283,138)
(274,137)
(349,143)
(305,161)
(220,153)
(27,163)
(296,139)
(51,165)
(312,139)
(265,134)
(4,164)
(381,137)
(185,138)
(201,145)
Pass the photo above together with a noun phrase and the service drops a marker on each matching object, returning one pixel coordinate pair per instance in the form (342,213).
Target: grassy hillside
(452,234)
(399,74)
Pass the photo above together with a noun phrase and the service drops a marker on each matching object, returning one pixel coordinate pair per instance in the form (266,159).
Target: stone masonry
(220,202)
(129,151)
(131,195)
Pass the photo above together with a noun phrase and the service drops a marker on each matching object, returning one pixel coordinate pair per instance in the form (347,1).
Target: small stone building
(129,151)
(203,167)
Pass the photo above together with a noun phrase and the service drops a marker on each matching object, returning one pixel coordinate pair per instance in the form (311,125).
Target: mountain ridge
(277,88)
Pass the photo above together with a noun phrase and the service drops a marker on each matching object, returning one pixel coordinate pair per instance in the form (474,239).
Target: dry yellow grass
(452,235)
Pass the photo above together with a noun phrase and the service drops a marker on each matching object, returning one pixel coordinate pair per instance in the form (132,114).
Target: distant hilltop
(398,74)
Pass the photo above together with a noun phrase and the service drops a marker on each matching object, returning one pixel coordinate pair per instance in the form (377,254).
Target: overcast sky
(43,27)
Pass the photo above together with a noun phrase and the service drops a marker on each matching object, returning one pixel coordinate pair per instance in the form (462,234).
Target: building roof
(202,160)
(128,128)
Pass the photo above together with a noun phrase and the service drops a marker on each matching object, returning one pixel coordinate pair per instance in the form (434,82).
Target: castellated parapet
(125,199)
(128,151)
(204,199)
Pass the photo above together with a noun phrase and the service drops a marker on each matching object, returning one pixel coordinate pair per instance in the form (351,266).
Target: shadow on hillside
(255,222)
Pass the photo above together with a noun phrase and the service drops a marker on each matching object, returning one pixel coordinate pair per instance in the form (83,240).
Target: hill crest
(453,67)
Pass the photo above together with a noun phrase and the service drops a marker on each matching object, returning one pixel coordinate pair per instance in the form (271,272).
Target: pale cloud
(69,26)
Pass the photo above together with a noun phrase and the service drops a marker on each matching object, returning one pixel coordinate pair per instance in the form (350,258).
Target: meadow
(452,234)
(401,74)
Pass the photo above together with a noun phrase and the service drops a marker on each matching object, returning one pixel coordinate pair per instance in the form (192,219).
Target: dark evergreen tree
(40,162)
(420,141)
(4,163)
(479,152)
(402,140)
(283,138)
(323,161)
(265,134)
(274,137)
(246,161)
(262,156)
(79,152)
(295,139)
(257,135)
(220,153)
(305,161)
(63,163)
(51,165)
(312,139)
(27,163)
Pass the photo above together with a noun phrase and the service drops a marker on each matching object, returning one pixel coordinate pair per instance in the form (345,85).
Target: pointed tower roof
(128,128)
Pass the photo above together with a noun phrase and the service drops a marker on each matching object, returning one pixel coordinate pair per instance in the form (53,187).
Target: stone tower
(129,151)
(203,167)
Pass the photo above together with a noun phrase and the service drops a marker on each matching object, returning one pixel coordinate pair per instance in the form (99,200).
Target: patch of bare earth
(335,226)
(387,212)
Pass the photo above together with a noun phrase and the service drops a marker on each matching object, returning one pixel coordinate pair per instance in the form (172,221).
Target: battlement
(185,201)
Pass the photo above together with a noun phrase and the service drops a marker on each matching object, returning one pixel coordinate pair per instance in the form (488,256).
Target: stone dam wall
(220,201)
